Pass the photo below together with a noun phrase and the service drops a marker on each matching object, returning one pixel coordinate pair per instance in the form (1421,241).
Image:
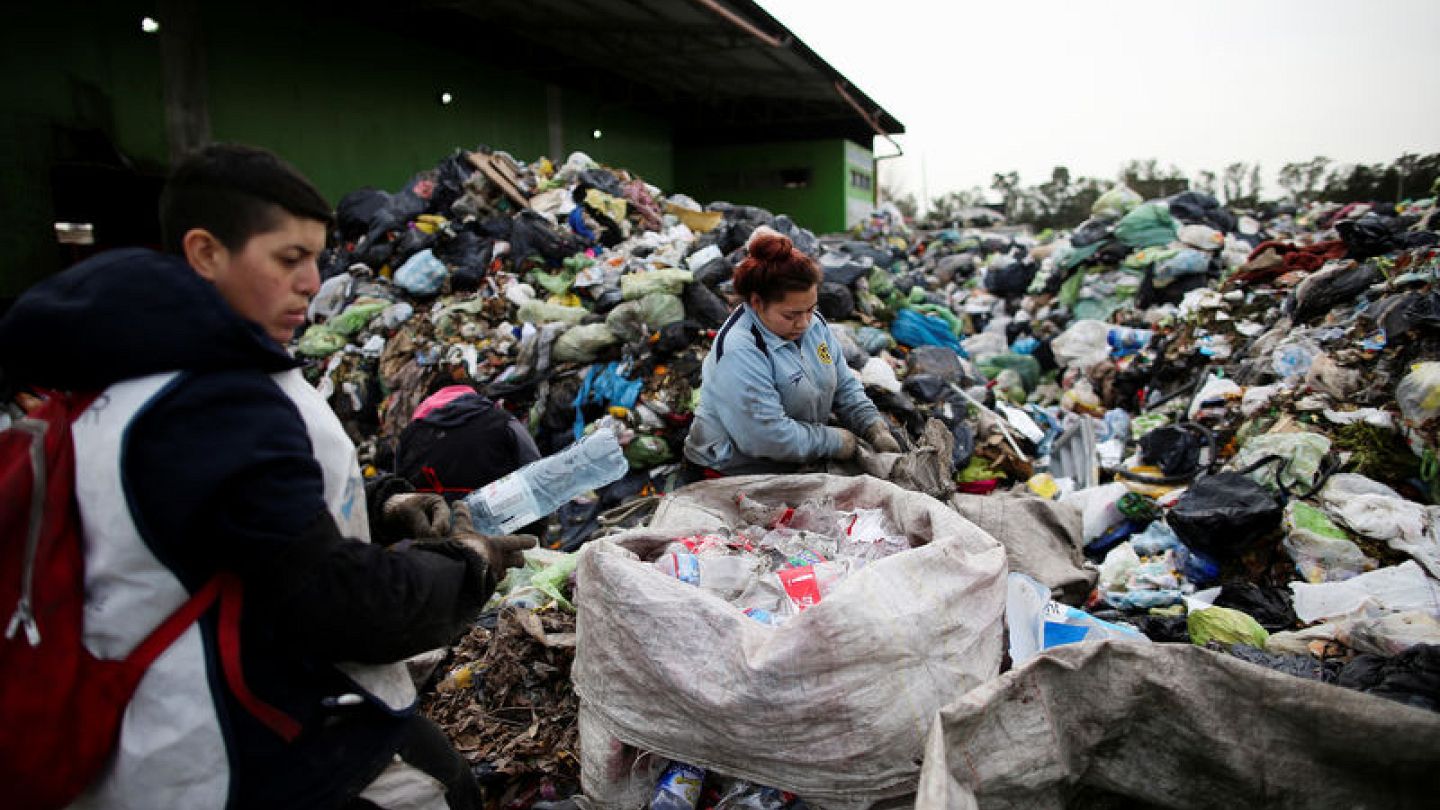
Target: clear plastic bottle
(541,487)
(678,788)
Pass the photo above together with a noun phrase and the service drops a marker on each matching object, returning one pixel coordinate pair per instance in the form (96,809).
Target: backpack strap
(231,600)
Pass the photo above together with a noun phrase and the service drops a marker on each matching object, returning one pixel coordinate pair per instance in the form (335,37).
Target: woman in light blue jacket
(775,375)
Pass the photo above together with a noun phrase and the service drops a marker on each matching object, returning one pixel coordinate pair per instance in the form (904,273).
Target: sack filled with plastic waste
(783,705)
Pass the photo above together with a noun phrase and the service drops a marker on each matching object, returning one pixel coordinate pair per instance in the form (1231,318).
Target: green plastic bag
(633,321)
(647,451)
(582,344)
(1149,225)
(978,470)
(545,312)
(554,283)
(1225,625)
(1117,202)
(1070,290)
(943,313)
(320,341)
(357,316)
(1077,255)
(1304,451)
(665,280)
(1023,364)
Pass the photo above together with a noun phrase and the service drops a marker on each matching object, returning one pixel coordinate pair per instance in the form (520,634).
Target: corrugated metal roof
(719,70)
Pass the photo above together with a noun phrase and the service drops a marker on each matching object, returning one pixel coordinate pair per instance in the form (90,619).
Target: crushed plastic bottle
(541,487)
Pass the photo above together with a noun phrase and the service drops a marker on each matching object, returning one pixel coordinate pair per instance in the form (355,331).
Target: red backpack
(60,706)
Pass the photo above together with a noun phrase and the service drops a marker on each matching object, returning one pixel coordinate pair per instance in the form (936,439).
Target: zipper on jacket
(24,615)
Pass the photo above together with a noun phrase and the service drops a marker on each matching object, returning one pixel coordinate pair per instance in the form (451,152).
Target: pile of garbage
(1217,428)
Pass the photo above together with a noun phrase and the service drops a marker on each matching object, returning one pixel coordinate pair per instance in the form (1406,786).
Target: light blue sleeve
(748,405)
(852,406)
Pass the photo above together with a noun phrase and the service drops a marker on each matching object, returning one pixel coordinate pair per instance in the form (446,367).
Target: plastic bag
(582,344)
(634,321)
(421,274)
(1374,510)
(1322,552)
(1148,225)
(937,360)
(1223,514)
(1027,367)
(357,316)
(835,301)
(1201,237)
(1418,395)
(1036,622)
(1401,587)
(320,341)
(1084,344)
(1172,448)
(1115,203)
(911,328)
(1185,263)
(1225,625)
(546,312)
(1304,453)
(665,280)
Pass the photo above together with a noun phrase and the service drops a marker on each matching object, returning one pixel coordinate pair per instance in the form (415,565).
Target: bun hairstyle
(774,267)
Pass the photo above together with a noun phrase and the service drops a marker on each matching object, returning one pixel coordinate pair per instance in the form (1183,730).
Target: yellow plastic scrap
(1043,484)
(697,221)
(612,207)
(1152,490)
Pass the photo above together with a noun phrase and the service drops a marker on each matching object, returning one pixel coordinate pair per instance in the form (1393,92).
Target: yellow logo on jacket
(823,352)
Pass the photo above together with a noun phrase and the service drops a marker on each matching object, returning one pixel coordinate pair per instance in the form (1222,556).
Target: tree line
(1064,201)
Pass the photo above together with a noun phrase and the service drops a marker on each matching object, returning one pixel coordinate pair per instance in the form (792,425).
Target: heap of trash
(1207,436)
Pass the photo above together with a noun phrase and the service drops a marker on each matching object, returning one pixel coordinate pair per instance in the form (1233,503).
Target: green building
(713,98)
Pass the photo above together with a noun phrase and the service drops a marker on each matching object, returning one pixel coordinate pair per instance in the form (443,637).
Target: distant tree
(947,209)
(1304,179)
(1207,182)
(909,208)
(1241,185)
(1008,184)
(1150,181)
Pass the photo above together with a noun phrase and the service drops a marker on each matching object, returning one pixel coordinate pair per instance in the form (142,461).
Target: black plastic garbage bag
(1010,279)
(804,240)
(925,387)
(1162,628)
(1223,514)
(411,242)
(1175,450)
(836,301)
(704,307)
(1197,207)
(1337,284)
(602,180)
(533,235)
(843,269)
(450,177)
(468,255)
(1271,607)
(677,337)
(901,406)
(1412,677)
(714,272)
(964,443)
(1091,231)
(1301,666)
(940,361)
(357,210)
(1367,236)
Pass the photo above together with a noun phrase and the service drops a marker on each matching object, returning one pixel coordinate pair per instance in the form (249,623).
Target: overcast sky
(1025,85)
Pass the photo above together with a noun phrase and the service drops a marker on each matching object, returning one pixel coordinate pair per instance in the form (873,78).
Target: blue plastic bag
(913,329)
(422,274)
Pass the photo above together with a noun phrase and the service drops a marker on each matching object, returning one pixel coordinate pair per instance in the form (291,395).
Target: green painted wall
(754,174)
(68,73)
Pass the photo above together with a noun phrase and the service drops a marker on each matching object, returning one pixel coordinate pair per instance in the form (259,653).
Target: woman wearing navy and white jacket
(775,375)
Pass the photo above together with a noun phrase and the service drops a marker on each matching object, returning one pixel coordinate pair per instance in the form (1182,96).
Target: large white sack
(1174,726)
(834,704)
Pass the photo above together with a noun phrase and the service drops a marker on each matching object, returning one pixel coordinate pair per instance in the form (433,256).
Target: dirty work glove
(848,443)
(500,551)
(880,438)
(417,515)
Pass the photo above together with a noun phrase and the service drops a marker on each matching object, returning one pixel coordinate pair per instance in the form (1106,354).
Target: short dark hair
(774,267)
(234,192)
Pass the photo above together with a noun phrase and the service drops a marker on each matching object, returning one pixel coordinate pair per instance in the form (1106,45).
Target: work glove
(417,515)
(500,551)
(880,437)
(848,443)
